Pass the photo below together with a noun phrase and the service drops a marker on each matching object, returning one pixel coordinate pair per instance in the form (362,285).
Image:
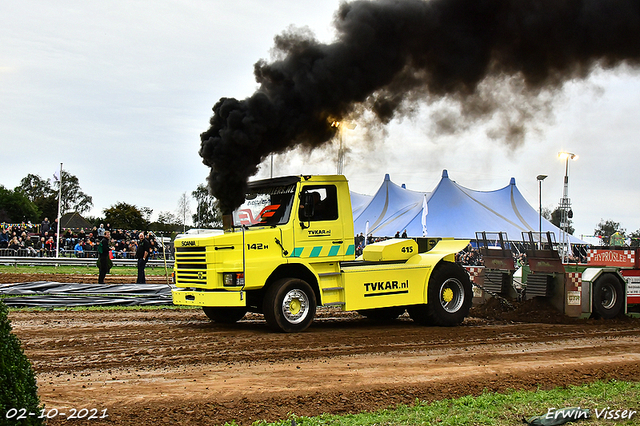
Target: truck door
(319,232)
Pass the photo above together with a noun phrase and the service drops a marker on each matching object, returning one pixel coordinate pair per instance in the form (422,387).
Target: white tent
(453,211)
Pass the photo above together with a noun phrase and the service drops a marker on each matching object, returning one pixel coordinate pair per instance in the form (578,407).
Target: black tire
(382,314)
(224,315)
(420,314)
(449,297)
(608,297)
(289,305)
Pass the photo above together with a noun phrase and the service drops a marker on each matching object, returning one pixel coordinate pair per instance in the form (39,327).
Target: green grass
(80,270)
(494,408)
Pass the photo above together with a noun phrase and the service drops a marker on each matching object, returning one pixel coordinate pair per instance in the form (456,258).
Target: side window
(323,203)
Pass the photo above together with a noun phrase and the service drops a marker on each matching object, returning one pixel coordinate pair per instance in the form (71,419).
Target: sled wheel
(224,315)
(382,314)
(608,297)
(289,305)
(449,297)
(449,294)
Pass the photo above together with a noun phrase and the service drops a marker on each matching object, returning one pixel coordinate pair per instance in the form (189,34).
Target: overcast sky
(120,91)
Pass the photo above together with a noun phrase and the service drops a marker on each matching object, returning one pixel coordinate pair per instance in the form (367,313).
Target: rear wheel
(449,297)
(224,315)
(289,305)
(608,297)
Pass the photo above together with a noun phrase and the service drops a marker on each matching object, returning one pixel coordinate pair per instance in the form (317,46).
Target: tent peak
(512,181)
(445,174)
(387,177)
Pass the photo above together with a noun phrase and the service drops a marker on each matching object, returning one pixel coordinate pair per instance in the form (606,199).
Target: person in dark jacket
(104,261)
(142,254)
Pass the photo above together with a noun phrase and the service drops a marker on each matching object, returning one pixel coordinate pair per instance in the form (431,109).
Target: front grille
(191,265)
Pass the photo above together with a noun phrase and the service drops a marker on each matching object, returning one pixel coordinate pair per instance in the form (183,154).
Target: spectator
(79,249)
(104,260)
(40,247)
(50,246)
(45,226)
(142,254)
(4,239)
(14,244)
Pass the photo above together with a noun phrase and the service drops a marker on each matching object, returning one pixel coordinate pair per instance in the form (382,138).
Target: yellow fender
(446,250)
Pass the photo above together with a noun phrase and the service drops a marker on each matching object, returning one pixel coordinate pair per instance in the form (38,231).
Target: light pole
(565,203)
(540,179)
(340,126)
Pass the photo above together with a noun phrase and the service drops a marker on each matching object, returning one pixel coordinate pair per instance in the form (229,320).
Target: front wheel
(224,315)
(289,305)
(608,297)
(449,297)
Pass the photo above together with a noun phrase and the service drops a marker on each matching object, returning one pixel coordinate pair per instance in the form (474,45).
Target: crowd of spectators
(360,242)
(40,241)
(470,256)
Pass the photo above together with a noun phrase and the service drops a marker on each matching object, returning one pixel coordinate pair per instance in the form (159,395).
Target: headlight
(233,279)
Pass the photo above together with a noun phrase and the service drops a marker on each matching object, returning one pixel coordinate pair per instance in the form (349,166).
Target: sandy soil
(176,367)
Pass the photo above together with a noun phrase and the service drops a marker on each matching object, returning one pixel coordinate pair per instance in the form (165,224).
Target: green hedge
(18,388)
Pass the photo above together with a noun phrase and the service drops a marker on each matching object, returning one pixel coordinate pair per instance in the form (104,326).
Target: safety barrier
(75,261)
(87,254)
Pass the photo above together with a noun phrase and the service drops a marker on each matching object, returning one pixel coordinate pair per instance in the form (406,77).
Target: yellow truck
(290,248)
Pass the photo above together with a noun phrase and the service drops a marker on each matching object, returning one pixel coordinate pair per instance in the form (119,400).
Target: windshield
(265,207)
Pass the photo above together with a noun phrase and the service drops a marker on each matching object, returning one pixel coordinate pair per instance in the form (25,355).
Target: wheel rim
(451,295)
(295,306)
(608,296)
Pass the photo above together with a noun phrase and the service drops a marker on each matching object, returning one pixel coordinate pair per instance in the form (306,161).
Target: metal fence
(77,261)
(87,254)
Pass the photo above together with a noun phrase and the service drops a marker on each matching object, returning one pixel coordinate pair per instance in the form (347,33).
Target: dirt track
(174,366)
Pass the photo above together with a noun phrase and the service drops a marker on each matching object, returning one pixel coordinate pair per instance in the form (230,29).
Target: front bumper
(221,298)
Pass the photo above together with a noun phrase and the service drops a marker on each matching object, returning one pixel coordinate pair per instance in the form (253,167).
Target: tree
(606,229)
(41,193)
(167,222)
(207,214)
(125,216)
(183,210)
(34,187)
(73,199)
(44,194)
(16,207)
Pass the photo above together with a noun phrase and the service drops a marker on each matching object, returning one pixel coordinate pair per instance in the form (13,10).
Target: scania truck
(290,248)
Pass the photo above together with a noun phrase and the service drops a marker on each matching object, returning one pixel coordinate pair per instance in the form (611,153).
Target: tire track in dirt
(175,366)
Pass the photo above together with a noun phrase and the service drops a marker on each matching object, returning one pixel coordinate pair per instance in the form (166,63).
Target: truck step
(333,289)
(329,274)
(334,304)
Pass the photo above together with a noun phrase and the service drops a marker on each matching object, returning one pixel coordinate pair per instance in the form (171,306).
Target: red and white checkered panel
(575,279)
(473,271)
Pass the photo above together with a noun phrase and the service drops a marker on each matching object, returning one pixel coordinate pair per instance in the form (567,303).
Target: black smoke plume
(389,52)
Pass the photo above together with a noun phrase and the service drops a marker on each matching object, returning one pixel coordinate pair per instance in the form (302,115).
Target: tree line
(35,199)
